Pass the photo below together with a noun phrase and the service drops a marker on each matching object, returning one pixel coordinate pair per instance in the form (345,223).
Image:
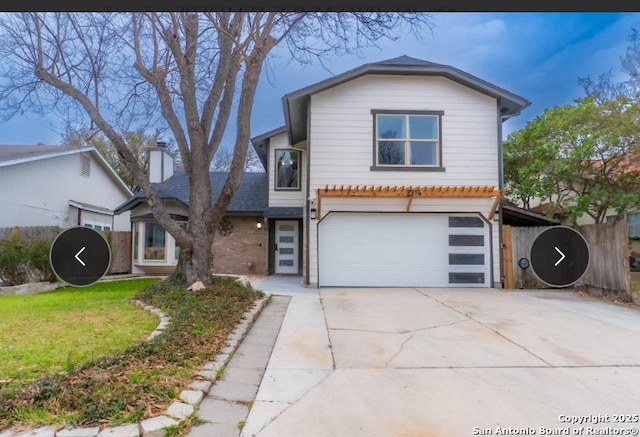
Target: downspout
(500,187)
(308,194)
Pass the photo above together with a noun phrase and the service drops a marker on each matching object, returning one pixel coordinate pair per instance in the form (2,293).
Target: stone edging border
(178,411)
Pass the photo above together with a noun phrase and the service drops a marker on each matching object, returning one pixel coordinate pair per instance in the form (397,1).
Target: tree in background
(138,143)
(581,158)
(606,88)
(193,72)
(224,157)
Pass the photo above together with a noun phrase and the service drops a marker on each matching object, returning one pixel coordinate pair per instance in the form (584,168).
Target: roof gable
(261,143)
(296,103)
(19,154)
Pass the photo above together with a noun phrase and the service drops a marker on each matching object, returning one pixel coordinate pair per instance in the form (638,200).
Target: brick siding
(243,250)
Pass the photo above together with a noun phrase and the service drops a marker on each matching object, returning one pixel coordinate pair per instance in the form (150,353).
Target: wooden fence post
(507,256)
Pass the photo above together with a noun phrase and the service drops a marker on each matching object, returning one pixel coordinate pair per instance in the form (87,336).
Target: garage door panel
(405,250)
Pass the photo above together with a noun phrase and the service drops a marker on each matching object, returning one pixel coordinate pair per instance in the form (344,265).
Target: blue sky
(537,55)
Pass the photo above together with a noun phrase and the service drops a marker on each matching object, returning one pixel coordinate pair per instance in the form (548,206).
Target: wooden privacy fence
(30,233)
(119,241)
(608,273)
(517,244)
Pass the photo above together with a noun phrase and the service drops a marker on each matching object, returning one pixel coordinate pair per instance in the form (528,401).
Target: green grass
(142,380)
(635,287)
(54,331)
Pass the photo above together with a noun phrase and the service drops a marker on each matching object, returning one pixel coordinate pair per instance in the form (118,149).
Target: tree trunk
(194,263)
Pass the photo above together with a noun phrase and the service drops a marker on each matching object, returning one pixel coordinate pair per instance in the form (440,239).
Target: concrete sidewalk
(301,357)
(227,404)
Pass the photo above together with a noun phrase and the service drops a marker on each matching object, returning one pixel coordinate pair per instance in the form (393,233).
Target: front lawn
(142,380)
(48,332)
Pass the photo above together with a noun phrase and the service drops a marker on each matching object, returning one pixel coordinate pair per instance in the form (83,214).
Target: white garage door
(403,250)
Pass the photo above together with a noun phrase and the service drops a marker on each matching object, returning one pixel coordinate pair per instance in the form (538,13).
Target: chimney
(160,163)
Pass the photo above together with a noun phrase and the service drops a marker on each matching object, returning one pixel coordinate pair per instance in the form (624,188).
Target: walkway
(226,406)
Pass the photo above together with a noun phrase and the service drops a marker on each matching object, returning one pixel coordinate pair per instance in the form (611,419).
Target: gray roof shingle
(283,212)
(251,196)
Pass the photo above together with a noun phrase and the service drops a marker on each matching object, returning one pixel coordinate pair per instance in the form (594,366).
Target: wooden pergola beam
(494,207)
(412,192)
(408,191)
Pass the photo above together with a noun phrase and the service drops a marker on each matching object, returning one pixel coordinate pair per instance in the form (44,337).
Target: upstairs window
(407,140)
(287,169)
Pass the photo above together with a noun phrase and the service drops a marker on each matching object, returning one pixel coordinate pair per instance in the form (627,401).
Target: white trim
(169,247)
(45,156)
(92,208)
(407,140)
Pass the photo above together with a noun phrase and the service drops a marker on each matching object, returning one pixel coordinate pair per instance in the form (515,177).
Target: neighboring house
(521,217)
(387,175)
(61,186)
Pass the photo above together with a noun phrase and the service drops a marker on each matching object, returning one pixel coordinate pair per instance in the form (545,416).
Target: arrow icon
(82,262)
(557,262)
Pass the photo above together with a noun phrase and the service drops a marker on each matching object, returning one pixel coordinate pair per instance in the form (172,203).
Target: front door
(286,247)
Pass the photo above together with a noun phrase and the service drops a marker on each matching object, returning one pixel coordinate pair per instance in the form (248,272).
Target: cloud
(481,32)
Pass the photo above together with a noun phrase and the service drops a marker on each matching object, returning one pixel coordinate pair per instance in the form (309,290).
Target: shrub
(23,261)
(39,261)
(14,267)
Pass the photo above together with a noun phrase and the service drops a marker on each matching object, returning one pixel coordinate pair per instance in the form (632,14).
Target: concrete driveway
(450,362)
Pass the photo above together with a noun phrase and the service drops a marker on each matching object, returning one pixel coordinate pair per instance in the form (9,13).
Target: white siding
(283,197)
(37,193)
(341,134)
(341,146)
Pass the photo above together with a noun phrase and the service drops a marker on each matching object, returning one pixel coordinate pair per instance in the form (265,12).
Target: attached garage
(404,250)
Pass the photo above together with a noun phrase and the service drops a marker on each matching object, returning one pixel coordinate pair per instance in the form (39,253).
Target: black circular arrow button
(80,256)
(559,256)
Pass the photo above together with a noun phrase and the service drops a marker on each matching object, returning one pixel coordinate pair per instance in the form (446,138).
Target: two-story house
(398,167)
(389,174)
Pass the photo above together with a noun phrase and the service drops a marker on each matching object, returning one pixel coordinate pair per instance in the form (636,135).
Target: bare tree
(193,72)
(139,142)
(607,86)
(224,156)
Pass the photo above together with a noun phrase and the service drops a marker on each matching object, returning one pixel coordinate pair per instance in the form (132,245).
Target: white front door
(286,247)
